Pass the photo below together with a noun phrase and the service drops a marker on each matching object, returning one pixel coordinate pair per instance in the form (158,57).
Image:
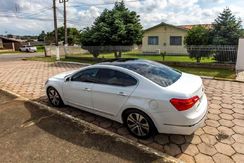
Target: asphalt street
(29,134)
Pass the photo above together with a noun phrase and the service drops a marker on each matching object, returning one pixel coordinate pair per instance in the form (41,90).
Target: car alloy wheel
(139,124)
(54,97)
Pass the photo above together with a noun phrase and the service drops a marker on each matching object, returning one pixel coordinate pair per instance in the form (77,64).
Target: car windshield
(156,72)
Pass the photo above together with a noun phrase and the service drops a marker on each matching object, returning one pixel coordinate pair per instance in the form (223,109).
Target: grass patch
(40,48)
(43,59)
(136,54)
(219,73)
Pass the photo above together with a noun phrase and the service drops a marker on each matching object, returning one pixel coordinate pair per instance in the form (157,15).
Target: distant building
(167,38)
(10,43)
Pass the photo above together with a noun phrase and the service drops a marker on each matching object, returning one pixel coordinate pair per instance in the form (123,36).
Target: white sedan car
(146,96)
(28,48)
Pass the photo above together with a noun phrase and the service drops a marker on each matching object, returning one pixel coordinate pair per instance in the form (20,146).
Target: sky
(30,17)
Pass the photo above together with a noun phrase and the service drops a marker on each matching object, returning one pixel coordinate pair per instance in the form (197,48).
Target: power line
(101,4)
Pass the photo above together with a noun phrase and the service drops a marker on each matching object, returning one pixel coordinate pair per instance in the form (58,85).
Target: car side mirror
(67,79)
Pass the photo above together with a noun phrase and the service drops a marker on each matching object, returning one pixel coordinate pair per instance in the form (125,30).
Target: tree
(73,36)
(198,35)
(42,36)
(115,27)
(226,29)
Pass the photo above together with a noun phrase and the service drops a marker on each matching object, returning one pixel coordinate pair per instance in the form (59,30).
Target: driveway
(14,57)
(29,134)
(220,140)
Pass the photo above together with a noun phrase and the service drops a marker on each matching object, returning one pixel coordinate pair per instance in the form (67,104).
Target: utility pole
(56,29)
(65,25)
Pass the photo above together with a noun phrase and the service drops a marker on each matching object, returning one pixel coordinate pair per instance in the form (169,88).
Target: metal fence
(220,53)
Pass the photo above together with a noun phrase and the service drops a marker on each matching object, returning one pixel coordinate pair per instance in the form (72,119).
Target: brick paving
(220,140)
(240,76)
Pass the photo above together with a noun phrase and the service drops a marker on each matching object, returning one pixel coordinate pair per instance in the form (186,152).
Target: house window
(152,40)
(176,40)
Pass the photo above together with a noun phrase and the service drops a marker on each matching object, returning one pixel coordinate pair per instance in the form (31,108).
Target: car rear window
(156,72)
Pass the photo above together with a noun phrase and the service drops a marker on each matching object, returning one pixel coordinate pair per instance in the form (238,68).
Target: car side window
(113,77)
(87,75)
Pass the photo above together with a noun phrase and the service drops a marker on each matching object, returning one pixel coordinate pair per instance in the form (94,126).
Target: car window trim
(82,71)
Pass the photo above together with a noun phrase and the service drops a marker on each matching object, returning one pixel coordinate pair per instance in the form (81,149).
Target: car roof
(126,61)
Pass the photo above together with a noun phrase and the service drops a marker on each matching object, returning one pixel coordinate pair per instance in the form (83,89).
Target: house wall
(164,33)
(7,44)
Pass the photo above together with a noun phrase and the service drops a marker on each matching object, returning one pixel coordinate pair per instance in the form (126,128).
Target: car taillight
(184,104)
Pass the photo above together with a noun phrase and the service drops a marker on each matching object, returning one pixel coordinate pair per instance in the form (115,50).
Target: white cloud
(80,15)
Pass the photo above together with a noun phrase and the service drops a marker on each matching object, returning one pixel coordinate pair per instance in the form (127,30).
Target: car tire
(54,97)
(139,124)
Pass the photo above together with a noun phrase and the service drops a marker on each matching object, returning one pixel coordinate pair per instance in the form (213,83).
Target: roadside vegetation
(218,73)
(226,31)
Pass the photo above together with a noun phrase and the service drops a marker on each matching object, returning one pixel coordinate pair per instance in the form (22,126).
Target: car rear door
(77,91)
(112,90)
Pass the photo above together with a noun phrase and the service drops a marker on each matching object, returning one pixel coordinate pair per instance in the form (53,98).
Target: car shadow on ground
(79,135)
(174,145)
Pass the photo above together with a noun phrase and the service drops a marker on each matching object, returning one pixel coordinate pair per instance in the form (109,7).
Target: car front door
(77,90)
(112,90)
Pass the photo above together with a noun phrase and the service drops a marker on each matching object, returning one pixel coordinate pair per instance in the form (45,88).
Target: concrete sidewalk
(29,134)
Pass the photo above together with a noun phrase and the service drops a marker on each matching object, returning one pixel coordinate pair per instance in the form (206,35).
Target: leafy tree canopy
(118,26)
(73,36)
(41,37)
(226,29)
(198,35)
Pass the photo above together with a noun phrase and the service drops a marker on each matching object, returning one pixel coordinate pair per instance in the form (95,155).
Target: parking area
(220,140)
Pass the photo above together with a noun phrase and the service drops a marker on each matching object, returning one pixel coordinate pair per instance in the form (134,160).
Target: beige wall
(240,55)
(164,33)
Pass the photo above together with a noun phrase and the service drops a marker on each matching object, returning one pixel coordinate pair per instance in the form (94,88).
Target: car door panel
(112,90)
(78,93)
(109,99)
(78,89)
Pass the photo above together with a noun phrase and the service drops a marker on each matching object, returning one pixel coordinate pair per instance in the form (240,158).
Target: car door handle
(122,94)
(87,89)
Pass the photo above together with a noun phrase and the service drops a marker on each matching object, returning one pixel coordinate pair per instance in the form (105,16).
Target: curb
(203,77)
(166,158)
(75,63)
(222,79)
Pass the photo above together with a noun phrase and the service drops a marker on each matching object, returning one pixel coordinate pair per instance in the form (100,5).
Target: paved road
(14,57)
(28,134)
(220,140)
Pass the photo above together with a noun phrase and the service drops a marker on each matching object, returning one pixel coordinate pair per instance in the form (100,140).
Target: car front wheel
(139,124)
(54,97)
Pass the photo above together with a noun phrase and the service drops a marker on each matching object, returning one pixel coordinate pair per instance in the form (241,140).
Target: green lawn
(218,73)
(40,48)
(135,54)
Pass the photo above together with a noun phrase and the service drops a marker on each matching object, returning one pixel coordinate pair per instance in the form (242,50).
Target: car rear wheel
(139,124)
(54,97)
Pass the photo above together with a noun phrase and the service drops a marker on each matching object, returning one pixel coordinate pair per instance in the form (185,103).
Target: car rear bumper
(189,124)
